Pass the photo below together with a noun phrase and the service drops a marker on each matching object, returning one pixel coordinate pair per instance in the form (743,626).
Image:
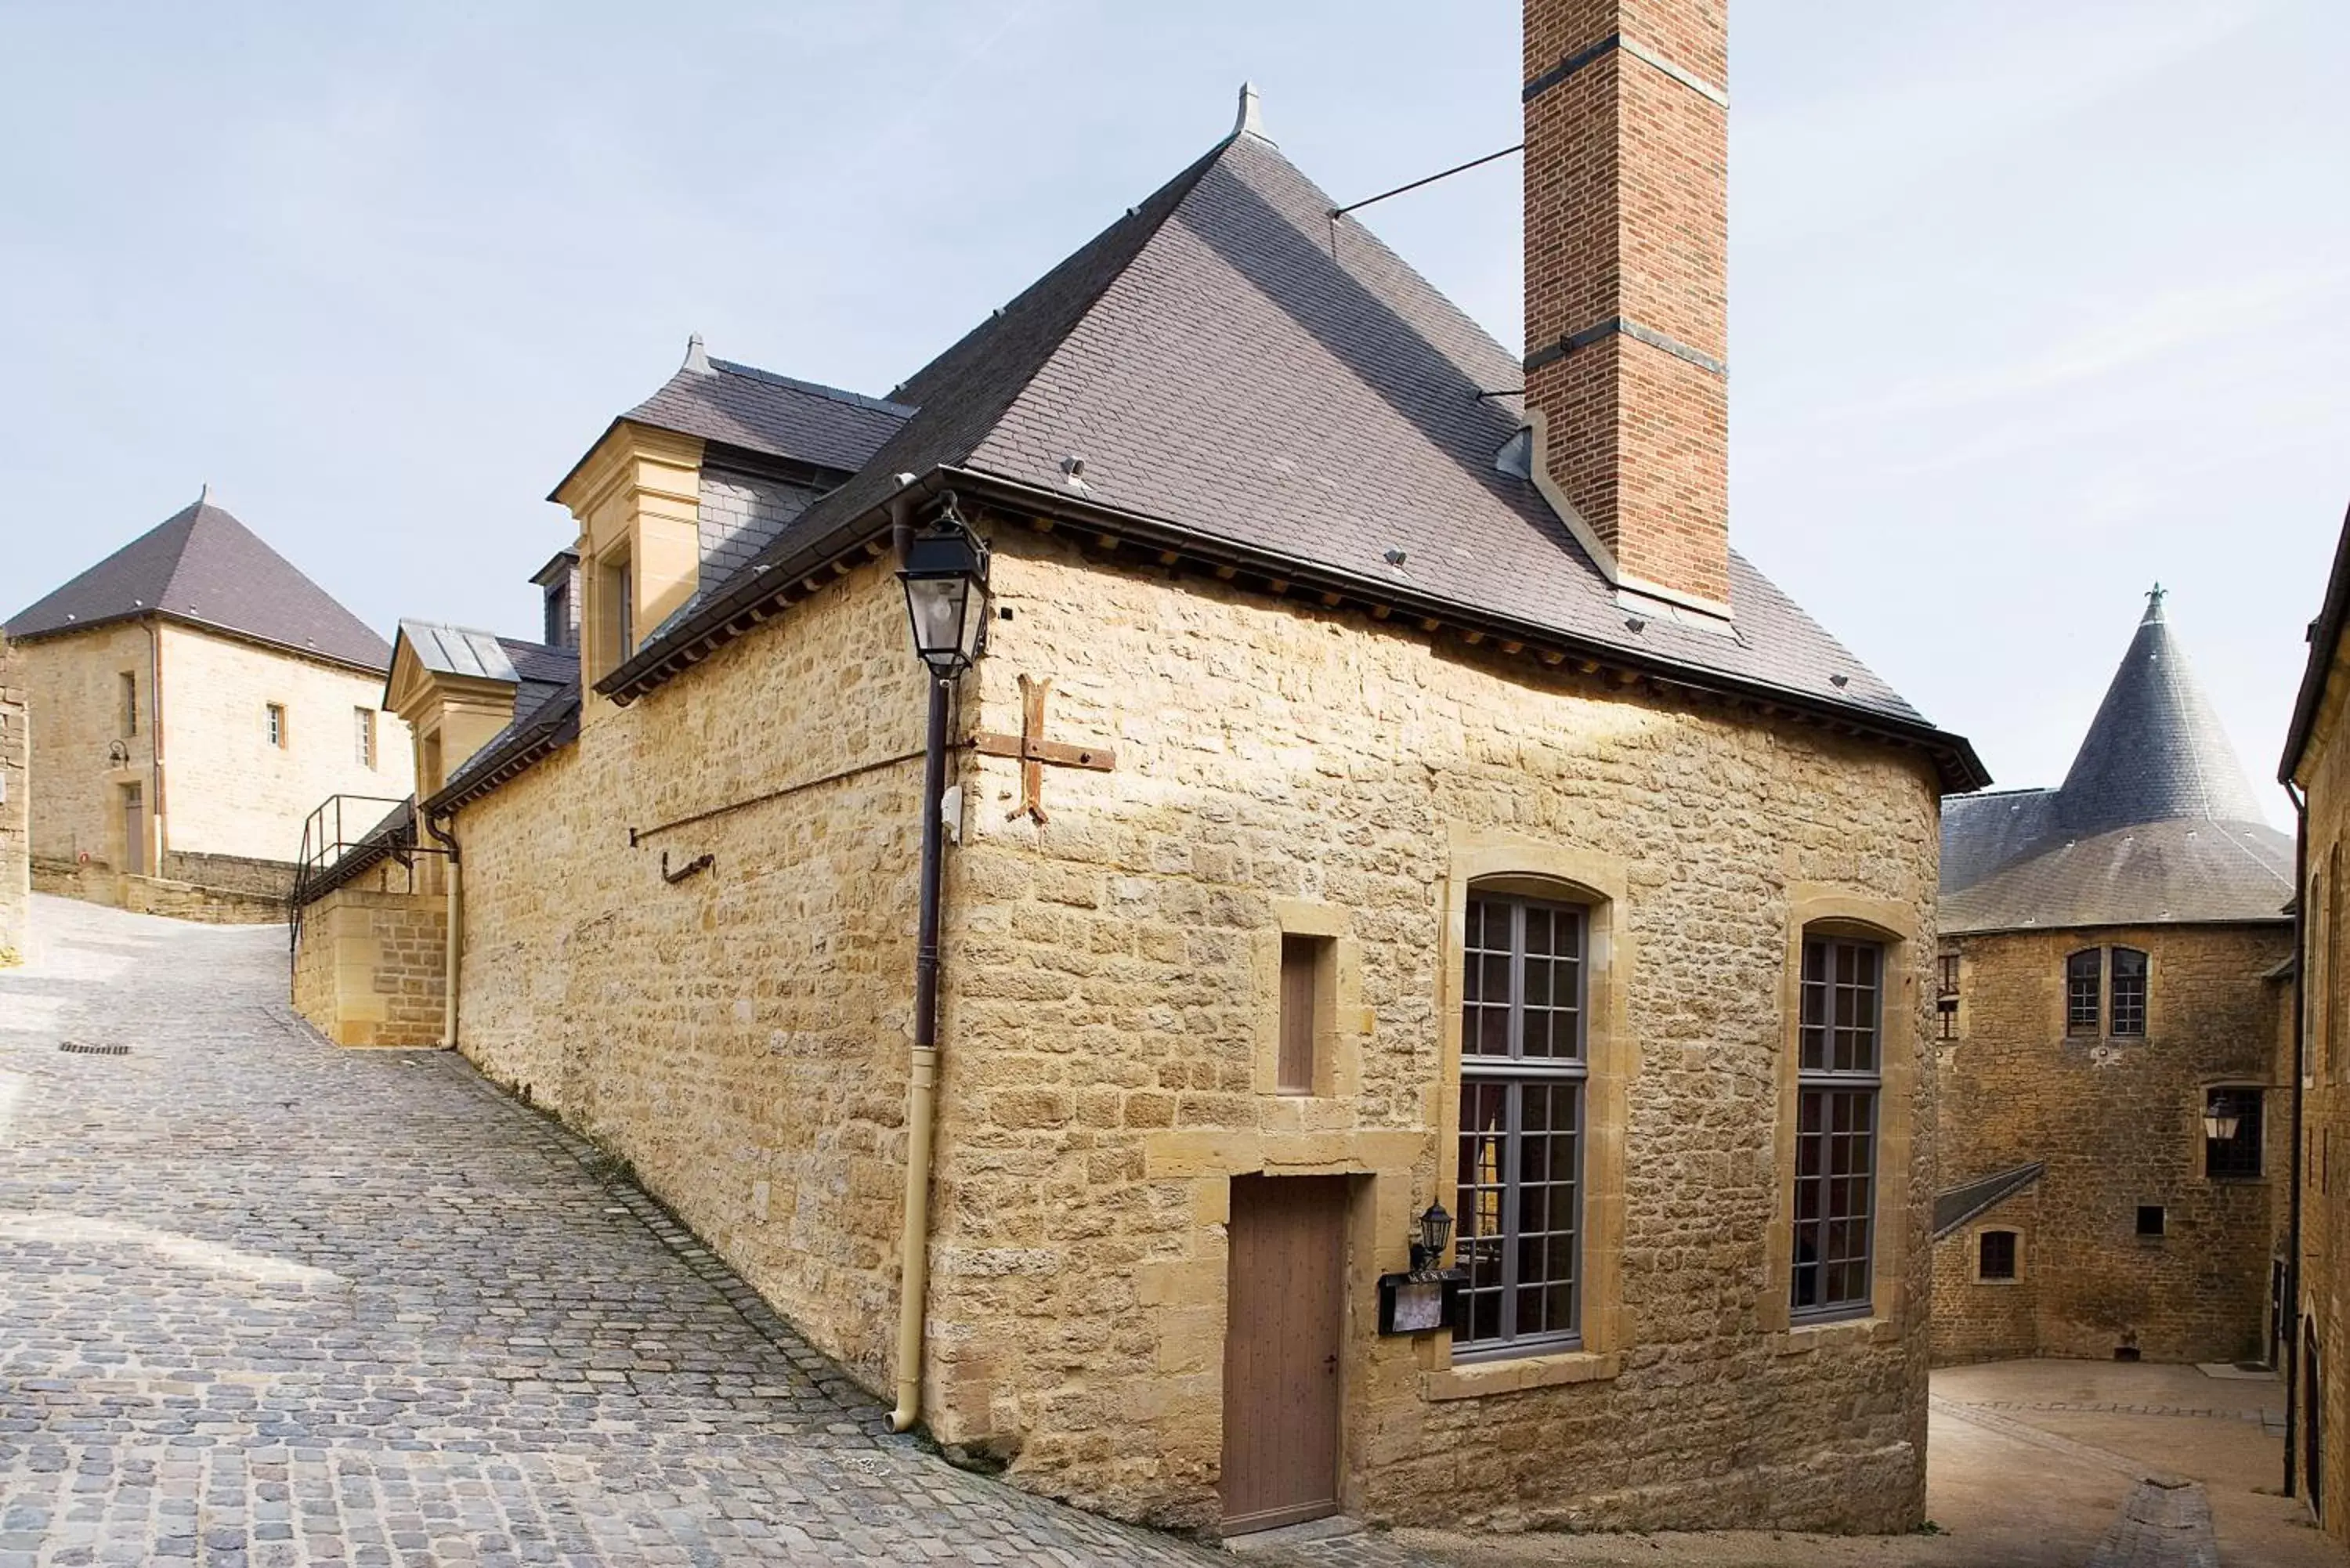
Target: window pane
(2129,992)
(1997,1261)
(1834,1197)
(2081,976)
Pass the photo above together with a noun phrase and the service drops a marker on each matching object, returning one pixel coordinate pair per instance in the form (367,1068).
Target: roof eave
(2325,636)
(213,628)
(1960,769)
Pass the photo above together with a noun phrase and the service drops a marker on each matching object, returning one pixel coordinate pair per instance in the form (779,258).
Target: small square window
(1996,1258)
(2150,1218)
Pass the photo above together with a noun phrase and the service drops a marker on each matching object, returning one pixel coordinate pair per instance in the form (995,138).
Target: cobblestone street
(270,1301)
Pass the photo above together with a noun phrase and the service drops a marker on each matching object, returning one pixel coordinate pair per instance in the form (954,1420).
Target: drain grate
(85,1049)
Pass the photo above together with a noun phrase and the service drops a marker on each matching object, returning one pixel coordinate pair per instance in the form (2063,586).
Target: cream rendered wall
(227,790)
(73,690)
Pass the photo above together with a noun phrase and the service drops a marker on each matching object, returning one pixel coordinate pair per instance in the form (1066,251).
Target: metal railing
(343,826)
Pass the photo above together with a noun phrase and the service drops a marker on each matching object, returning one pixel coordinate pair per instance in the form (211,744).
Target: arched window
(2128,992)
(2084,978)
(1523,1070)
(1839,1078)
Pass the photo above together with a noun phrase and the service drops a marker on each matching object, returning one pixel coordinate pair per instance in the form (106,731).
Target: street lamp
(946,577)
(944,572)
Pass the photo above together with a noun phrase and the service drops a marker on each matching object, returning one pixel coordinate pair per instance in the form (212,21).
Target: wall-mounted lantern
(1435,1233)
(1429,1297)
(2221,1118)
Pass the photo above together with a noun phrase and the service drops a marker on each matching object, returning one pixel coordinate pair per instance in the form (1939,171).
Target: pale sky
(2034,302)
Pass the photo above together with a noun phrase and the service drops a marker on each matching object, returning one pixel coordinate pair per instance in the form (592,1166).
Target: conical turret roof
(2155,823)
(2155,752)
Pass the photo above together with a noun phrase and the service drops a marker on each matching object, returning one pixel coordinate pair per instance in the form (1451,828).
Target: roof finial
(1250,122)
(697,359)
(2154,604)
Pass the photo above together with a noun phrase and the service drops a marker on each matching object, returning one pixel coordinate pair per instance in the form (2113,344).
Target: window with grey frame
(2084,982)
(2126,989)
(1838,1080)
(1524,1068)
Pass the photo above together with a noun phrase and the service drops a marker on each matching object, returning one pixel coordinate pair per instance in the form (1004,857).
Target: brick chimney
(1626,314)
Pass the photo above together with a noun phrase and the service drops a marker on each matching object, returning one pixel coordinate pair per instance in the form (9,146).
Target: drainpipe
(922,1080)
(454,883)
(155,741)
(2293,1411)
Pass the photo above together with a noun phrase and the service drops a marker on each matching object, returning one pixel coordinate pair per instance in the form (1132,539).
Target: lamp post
(944,575)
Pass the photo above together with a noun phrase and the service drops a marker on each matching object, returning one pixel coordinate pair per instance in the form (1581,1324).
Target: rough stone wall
(740,1036)
(2325,1269)
(227,791)
(194,901)
(73,690)
(232,873)
(371,968)
(2118,1122)
(1988,1320)
(15,798)
(1105,1017)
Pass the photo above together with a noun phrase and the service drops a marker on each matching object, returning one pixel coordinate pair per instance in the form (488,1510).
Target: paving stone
(274,1302)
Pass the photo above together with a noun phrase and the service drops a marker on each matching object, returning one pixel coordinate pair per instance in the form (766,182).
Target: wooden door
(1286,1308)
(134,831)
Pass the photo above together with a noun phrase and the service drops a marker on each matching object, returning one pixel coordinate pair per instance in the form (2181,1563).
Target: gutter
(155,741)
(759,594)
(2293,1414)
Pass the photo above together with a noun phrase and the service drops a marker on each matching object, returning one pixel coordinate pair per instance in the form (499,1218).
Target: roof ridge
(814,388)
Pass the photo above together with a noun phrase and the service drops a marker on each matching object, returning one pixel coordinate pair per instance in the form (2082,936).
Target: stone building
(2110,987)
(197,697)
(2316,766)
(16,799)
(1379,789)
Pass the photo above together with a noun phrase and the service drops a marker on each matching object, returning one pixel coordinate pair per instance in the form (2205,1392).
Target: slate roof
(757,410)
(1953,1206)
(2155,822)
(1229,374)
(2324,638)
(201,566)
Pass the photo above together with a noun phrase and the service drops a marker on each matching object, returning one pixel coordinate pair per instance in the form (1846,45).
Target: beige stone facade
(2117,1121)
(253,738)
(1109,1001)
(16,799)
(370,968)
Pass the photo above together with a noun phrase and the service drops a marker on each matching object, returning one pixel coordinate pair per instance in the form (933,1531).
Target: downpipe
(922,1078)
(2293,1414)
(454,919)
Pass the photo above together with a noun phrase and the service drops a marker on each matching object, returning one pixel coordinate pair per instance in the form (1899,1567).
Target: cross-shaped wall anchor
(1035,751)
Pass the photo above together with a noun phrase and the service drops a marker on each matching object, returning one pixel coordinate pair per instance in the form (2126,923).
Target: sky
(2033,302)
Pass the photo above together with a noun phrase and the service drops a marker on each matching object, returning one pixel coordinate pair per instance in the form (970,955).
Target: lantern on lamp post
(945,579)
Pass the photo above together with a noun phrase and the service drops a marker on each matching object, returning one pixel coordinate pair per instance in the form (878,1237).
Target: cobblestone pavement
(268,1301)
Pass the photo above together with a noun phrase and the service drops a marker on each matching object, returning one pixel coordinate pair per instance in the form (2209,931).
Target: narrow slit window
(363,736)
(1303,960)
(274,724)
(130,703)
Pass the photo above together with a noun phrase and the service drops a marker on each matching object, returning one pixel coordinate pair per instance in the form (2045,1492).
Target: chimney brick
(1627,208)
